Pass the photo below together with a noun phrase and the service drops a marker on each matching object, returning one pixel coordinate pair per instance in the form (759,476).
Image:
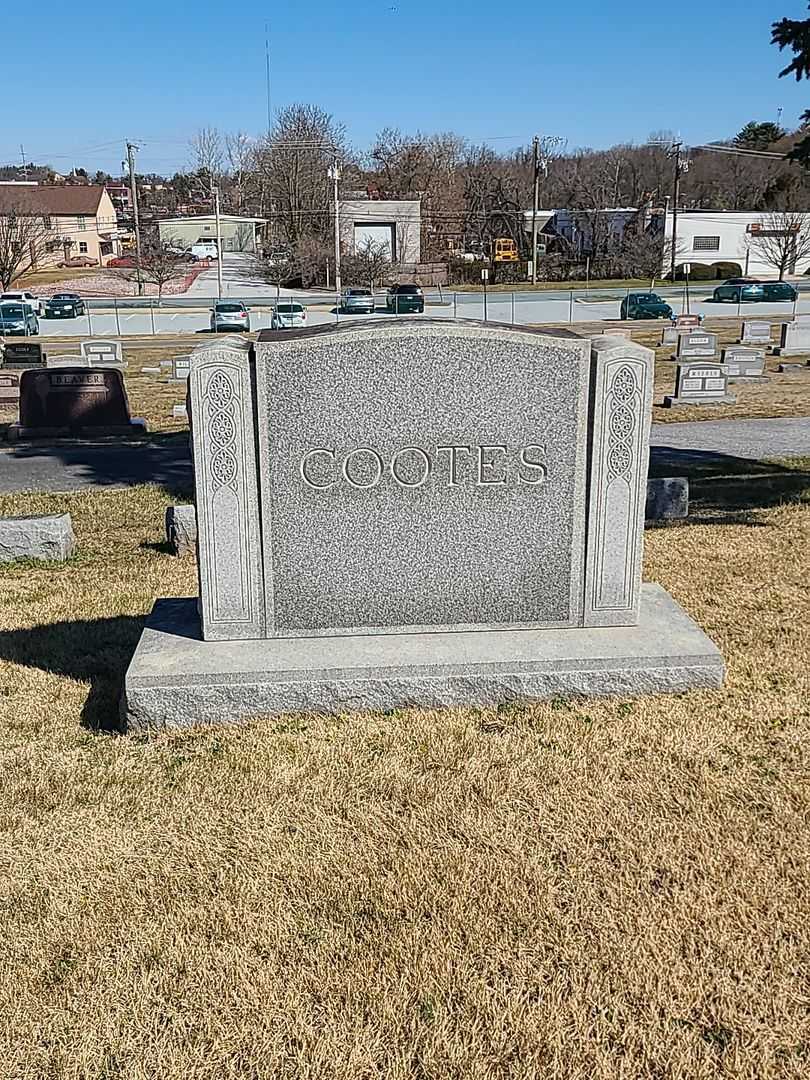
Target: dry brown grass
(588,889)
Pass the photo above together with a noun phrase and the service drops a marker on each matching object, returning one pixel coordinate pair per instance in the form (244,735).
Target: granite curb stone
(46,537)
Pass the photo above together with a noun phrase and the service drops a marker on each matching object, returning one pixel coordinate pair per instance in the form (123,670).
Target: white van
(205,249)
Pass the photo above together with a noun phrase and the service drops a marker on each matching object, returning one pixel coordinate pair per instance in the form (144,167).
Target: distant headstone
(181,366)
(700,384)
(669,335)
(47,538)
(667,498)
(181,529)
(150,371)
(744,364)
(687,322)
(619,331)
(697,344)
(794,369)
(74,401)
(9,388)
(23,354)
(756,332)
(795,338)
(391,515)
(179,412)
(59,360)
(101,353)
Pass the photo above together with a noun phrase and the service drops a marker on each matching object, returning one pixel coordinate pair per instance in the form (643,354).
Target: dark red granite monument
(74,402)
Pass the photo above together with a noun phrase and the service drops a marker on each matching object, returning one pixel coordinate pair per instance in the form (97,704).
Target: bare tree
(25,237)
(241,153)
(369,265)
(207,156)
(161,263)
(781,239)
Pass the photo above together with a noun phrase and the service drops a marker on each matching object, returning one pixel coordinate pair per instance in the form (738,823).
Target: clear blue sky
(79,79)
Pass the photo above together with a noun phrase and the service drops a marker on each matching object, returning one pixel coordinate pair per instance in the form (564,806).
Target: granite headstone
(58,360)
(795,338)
(700,383)
(744,364)
(74,401)
(697,344)
(687,322)
(181,366)
(101,353)
(23,354)
(401,513)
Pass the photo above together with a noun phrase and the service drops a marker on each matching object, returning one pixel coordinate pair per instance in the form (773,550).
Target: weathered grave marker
(9,388)
(755,332)
(699,383)
(46,537)
(181,367)
(393,515)
(687,322)
(795,338)
(697,343)
(58,360)
(744,364)
(74,401)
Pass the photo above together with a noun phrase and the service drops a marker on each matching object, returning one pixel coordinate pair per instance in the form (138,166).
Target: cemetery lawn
(586,889)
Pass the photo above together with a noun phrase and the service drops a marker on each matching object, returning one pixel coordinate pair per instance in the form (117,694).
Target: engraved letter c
(304,462)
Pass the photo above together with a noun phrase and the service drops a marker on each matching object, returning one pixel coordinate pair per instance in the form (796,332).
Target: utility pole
(680,167)
(334,175)
(215,196)
(535,204)
(131,148)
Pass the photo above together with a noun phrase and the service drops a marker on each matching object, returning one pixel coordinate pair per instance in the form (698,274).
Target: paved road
(165,459)
(191,313)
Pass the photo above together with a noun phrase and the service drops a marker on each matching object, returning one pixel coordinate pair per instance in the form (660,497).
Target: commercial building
(80,220)
(238,233)
(711,236)
(394,225)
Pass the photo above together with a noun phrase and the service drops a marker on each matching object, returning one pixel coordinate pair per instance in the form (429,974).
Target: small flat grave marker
(66,360)
(687,322)
(744,364)
(73,401)
(700,384)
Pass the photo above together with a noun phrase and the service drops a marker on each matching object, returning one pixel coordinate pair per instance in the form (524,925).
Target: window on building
(82,222)
(706,243)
(82,248)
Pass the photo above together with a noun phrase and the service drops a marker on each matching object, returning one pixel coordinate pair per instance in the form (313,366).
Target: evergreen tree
(794,34)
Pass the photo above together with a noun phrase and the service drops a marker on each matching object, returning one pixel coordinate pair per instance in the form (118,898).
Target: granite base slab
(17,433)
(177,680)
(681,403)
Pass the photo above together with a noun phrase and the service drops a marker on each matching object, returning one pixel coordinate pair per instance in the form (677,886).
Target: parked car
(646,305)
(357,300)
(750,292)
(122,261)
(17,319)
(780,290)
(405,298)
(229,315)
(288,316)
(205,249)
(64,305)
(23,297)
(77,260)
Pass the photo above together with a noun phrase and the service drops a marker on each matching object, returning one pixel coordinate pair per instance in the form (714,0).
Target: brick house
(81,219)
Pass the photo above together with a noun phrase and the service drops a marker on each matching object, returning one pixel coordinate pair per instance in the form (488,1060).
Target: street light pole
(131,148)
(215,193)
(676,190)
(334,175)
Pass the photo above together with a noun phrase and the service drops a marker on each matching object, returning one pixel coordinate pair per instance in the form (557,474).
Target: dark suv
(405,298)
(646,305)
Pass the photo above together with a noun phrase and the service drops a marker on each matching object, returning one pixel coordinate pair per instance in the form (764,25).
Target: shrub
(723,270)
(698,272)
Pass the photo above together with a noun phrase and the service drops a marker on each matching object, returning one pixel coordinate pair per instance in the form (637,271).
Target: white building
(395,224)
(710,236)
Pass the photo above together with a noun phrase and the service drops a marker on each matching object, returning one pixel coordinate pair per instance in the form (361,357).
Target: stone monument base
(16,432)
(681,402)
(175,679)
